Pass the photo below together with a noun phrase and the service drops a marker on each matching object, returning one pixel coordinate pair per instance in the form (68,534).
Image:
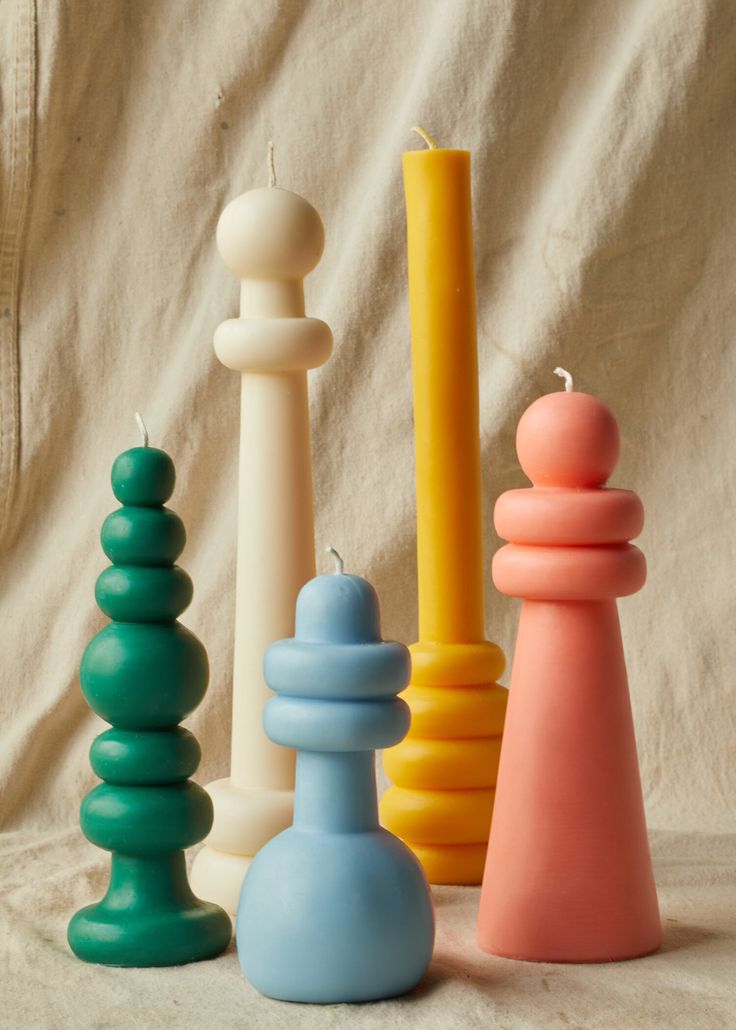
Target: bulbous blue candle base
(334,918)
(335,909)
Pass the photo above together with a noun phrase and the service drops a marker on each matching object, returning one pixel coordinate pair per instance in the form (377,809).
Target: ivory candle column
(270,238)
(444,772)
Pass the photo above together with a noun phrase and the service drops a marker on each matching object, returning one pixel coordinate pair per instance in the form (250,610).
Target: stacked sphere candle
(143,673)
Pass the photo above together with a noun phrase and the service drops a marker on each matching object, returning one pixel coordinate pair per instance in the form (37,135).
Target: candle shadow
(684,936)
(437,976)
(476,972)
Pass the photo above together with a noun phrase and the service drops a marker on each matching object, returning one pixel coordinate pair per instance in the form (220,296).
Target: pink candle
(568,874)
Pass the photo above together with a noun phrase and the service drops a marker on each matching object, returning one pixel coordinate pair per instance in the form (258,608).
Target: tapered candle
(568,875)
(444,773)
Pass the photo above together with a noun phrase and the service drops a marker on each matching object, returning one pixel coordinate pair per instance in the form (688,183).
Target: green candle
(143,673)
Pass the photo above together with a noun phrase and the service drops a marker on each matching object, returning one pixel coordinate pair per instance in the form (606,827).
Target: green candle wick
(142,427)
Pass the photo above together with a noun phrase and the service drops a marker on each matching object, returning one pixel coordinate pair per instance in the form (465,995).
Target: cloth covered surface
(604,148)
(687,986)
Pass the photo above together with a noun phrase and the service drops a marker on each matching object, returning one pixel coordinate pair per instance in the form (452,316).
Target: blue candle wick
(339,563)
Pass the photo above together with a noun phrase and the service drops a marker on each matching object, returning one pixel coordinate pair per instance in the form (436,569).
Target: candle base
(335,910)
(149,917)
(569,874)
(245,820)
(218,877)
(444,771)
(460,865)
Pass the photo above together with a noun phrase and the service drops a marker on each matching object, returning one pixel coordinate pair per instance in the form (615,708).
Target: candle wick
(339,563)
(142,427)
(271,166)
(564,374)
(429,140)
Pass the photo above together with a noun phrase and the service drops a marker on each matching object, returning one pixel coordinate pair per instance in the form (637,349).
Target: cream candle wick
(564,374)
(339,563)
(271,166)
(142,427)
(429,140)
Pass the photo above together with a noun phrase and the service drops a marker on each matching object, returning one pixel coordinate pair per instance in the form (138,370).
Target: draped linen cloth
(604,175)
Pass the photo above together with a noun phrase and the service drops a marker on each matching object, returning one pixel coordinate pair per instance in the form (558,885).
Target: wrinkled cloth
(604,148)
(689,985)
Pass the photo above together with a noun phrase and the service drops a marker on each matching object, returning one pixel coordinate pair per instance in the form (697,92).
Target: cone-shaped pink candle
(568,874)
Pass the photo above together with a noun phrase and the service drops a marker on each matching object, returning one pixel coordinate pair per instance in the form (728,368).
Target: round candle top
(270,233)
(143,477)
(144,671)
(336,679)
(337,650)
(568,533)
(568,439)
(338,609)
(143,532)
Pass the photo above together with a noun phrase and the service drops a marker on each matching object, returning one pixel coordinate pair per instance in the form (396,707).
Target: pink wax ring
(568,439)
(569,573)
(550,515)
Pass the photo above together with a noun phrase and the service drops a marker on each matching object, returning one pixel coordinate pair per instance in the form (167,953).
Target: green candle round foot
(143,673)
(149,917)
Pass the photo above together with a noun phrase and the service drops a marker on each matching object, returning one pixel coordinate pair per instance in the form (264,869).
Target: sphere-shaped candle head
(338,609)
(270,233)
(143,476)
(568,439)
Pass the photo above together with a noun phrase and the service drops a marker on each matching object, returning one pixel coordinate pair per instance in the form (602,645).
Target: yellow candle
(444,772)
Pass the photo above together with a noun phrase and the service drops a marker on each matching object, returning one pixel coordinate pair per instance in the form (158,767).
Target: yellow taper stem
(444,772)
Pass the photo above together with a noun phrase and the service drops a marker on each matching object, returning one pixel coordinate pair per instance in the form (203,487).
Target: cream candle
(270,239)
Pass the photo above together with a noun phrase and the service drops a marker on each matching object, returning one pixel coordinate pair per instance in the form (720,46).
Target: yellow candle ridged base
(444,772)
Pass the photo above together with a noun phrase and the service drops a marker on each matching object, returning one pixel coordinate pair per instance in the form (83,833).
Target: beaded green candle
(143,673)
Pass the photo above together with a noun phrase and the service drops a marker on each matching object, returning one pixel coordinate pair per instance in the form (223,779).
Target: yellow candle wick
(429,140)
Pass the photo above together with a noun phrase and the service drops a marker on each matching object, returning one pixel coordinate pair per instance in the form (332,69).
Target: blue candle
(335,908)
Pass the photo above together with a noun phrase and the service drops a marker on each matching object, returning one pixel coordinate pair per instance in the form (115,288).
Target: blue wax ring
(301,668)
(336,725)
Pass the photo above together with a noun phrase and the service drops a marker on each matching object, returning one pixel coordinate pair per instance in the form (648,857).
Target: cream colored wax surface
(270,238)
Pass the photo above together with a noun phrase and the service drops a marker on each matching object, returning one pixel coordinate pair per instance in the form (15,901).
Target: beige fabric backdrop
(604,160)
